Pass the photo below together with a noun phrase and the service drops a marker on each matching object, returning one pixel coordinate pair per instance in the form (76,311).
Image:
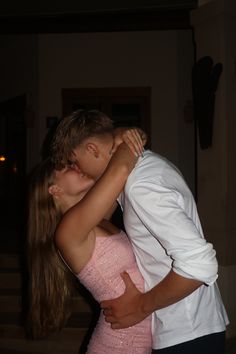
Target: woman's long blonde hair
(50,282)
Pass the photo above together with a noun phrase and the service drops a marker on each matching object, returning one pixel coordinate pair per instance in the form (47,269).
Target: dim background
(133,60)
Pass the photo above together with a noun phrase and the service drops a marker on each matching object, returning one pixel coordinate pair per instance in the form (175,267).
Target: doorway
(127,106)
(12,171)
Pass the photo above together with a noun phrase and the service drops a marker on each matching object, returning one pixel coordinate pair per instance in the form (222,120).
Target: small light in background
(2,158)
(14,168)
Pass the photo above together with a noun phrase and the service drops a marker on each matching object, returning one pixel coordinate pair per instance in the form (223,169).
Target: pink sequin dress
(101,276)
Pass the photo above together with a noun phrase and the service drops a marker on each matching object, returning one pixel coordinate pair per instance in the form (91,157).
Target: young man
(160,216)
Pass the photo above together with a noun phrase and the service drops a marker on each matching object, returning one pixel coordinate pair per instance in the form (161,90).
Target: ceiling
(91,15)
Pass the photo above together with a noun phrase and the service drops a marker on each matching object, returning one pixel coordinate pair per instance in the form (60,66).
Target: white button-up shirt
(162,222)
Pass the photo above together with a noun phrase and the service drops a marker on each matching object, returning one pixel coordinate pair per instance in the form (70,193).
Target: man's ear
(92,149)
(54,190)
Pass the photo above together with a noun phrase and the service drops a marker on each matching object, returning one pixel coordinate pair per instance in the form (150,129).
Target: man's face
(92,157)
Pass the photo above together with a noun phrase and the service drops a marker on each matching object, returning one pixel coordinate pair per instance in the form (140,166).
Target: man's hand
(126,310)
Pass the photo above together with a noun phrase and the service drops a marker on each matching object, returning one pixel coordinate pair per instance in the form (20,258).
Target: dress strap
(66,264)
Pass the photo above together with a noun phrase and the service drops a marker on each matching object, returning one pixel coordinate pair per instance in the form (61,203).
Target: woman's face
(73,182)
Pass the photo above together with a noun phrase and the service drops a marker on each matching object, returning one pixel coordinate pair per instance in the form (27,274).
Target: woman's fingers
(133,139)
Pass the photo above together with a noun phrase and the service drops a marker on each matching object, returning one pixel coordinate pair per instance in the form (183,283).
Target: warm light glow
(2,158)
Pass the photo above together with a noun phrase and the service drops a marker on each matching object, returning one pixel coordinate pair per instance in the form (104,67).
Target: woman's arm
(85,215)
(136,139)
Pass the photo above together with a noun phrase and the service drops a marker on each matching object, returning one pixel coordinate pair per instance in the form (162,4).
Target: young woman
(94,249)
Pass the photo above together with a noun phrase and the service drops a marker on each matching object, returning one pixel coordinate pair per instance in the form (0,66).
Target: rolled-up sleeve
(172,219)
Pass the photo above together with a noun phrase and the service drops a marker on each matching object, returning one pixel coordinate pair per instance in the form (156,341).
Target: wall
(41,65)
(215,29)
(125,59)
(19,75)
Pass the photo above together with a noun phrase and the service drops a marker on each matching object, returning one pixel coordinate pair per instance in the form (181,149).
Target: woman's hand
(135,138)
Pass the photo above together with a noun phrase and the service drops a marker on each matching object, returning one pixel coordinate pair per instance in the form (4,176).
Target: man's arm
(133,306)
(193,259)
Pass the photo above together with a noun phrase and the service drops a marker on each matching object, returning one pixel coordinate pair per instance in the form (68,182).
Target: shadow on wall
(205,79)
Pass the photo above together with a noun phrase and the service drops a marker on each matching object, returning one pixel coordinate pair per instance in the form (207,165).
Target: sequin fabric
(101,276)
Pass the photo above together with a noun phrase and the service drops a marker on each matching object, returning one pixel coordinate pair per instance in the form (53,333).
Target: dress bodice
(101,276)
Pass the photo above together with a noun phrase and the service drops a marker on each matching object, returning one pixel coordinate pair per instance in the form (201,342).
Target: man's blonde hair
(74,129)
